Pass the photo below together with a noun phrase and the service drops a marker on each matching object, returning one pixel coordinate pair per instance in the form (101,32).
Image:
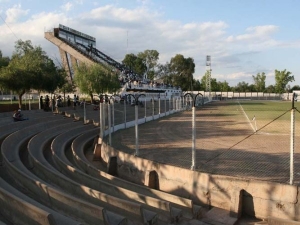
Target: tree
(182,70)
(270,89)
(150,58)
(282,78)
(242,87)
(260,82)
(223,86)
(29,68)
(4,61)
(295,87)
(135,64)
(213,82)
(96,78)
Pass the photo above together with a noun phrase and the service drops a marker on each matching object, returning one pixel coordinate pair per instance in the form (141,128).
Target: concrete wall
(260,199)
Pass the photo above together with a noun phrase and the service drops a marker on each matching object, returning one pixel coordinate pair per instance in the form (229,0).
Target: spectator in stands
(47,103)
(68,101)
(18,116)
(74,102)
(41,102)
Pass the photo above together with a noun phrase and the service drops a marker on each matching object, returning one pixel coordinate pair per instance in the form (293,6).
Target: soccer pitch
(272,117)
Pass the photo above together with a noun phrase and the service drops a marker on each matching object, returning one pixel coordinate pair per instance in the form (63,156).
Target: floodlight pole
(292,141)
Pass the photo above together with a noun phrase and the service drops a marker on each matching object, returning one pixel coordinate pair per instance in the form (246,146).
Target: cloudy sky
(243,37)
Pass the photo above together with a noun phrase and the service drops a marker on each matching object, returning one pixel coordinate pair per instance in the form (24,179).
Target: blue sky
(243,37)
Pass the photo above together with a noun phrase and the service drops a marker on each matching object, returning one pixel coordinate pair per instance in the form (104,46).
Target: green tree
(242,87)
(96,78)
(295,87)
(29,68)
(224,86)
(282,78)
(4,61)
(260,82)
(196,85)
(214,85)
(164,72)
(150,59)
(270,89)
(135,64)
(182,70)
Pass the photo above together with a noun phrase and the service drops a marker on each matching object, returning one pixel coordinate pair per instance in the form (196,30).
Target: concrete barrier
(58,149)
(59,218)
(44,170)
(57,199)
(187,207)
(19,211)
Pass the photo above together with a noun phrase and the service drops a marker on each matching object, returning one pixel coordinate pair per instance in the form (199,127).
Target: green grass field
(271,116)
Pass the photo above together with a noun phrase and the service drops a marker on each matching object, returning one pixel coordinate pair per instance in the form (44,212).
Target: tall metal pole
(113,115)
(292,141)
(159,106)
(101,122)
(165,105)
(193,139)
(136,130)
(152,108)
(145,109)
(84,113)
(109,123)
(125,100)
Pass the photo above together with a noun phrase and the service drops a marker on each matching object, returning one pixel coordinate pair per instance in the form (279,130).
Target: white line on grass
(253,128)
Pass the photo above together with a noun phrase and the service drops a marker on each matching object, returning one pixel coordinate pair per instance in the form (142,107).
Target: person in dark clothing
(41,102)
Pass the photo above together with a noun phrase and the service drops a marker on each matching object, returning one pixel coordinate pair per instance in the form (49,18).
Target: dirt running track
(225,144)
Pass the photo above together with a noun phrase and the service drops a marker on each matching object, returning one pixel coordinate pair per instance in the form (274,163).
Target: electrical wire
(9,28)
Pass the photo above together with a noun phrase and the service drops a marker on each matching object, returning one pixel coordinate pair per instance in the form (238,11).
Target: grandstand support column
(65,63)
(292,141)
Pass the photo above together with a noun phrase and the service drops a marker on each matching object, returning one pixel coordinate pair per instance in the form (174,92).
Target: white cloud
(147,29)
(13,14)
(67,7)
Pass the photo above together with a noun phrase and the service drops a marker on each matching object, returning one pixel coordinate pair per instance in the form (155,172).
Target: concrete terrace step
(217,216)
(187,207)
(45,170)
(23,212)
(28,208)
(10,150)
(160,206)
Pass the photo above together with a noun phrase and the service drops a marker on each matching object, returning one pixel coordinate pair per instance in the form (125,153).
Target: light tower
(208,77)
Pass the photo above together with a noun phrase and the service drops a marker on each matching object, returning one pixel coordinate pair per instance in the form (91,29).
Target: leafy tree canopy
(282,78)
(30,68)
(96,78)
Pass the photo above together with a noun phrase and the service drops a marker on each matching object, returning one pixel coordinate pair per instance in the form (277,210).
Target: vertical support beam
(65,63)
(73,66)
